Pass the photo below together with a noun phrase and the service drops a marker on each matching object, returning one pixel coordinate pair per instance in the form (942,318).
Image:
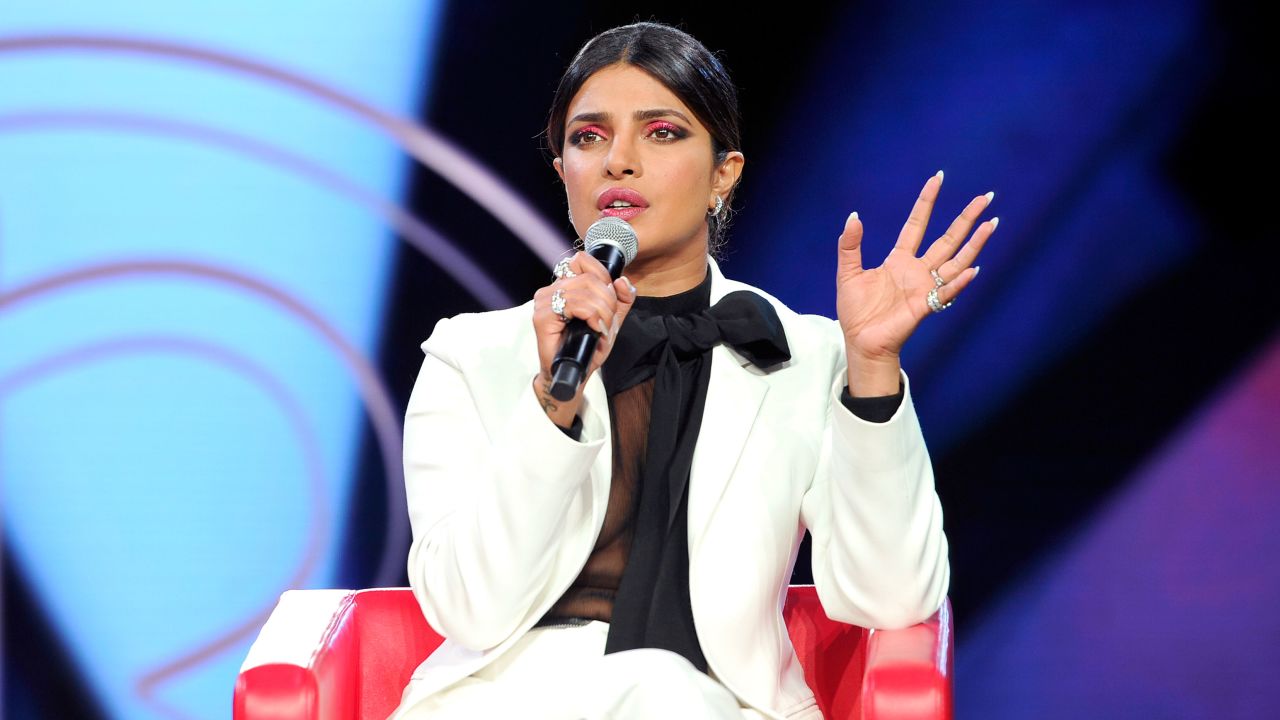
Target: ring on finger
(562,269)
(934,304)
(937,279)
(557,304)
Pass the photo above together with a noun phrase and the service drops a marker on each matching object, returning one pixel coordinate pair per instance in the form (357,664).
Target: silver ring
(934,305)
(937,279)
(557,304)
(562,269)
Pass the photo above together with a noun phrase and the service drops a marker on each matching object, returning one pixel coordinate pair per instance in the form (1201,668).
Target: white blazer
(505,508)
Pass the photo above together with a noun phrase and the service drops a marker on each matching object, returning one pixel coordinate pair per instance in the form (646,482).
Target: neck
(660,277)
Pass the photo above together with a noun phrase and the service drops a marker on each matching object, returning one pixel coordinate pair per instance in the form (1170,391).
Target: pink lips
(626,213)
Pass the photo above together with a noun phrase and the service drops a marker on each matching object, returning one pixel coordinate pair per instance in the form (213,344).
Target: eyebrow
(637,115)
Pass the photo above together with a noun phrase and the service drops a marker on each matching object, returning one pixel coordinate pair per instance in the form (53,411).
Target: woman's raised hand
(591,295)
(880,308)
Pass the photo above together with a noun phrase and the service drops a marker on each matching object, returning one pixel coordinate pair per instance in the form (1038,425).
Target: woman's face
(626,130)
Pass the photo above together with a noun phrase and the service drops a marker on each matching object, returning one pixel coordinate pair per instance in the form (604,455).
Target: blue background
(225,230)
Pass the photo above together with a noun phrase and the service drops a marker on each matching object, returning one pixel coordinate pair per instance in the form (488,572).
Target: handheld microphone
(612,241)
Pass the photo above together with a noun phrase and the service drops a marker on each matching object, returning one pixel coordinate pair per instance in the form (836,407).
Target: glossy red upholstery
(348,654)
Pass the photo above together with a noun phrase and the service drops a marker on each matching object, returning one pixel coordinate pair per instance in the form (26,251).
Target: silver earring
(719,207)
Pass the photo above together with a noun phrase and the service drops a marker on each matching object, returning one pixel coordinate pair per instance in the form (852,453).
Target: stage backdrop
(196,215)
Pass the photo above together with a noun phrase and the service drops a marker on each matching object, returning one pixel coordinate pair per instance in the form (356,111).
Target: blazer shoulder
(466,334)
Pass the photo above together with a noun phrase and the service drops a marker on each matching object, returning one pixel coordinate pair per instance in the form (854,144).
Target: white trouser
(563,673)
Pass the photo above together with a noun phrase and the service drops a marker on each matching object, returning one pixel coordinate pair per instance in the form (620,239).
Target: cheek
(682,193)
(687,180)
(576,177)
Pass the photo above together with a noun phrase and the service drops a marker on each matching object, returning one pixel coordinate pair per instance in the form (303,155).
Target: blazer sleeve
(486,507)
(879,554)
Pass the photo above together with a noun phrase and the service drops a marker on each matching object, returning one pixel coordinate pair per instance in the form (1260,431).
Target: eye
(673,133)
(577,138)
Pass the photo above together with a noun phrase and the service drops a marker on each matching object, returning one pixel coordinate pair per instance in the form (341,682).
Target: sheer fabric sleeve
(878,408)
(575,429)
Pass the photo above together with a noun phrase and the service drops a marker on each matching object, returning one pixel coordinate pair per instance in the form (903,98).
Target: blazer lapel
(594,397)
(734,396)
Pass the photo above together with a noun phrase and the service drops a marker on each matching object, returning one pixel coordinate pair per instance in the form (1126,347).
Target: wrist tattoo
(545,398)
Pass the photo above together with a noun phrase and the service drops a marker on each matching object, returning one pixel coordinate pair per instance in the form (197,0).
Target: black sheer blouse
(592,594)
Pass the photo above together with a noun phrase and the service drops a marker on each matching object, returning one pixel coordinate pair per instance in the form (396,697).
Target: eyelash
(676,132)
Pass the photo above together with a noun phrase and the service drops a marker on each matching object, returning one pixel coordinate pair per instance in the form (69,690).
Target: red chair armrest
(333,655)
(304,663)
(861,674)
(909,672)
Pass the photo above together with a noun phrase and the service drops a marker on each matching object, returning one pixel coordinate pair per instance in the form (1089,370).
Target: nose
(621,159)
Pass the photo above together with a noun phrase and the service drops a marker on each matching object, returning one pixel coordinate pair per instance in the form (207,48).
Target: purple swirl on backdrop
(420,142)
(419,234)
(375,396)
(318,527)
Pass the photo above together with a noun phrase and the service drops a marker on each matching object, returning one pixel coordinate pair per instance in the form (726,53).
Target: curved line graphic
(376,397)
(418,141)
(420,235)
(312,458)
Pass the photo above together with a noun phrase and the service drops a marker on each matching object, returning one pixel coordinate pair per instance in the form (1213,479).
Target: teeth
(620,203)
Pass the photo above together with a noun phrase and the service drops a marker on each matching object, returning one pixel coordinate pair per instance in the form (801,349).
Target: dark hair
(681,63)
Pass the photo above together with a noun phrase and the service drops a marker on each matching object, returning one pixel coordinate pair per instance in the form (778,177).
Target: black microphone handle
(578,343)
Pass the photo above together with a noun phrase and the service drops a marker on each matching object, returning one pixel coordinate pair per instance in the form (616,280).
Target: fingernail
(994,222)
(940,175)
(991,196)
(852,216)
(977,269)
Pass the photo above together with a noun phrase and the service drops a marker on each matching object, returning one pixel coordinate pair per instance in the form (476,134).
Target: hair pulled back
(681,63)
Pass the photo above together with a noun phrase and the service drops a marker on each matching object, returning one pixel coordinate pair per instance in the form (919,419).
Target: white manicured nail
(977,269)
(852,216)
(991,196)
(940,177)
(994,222)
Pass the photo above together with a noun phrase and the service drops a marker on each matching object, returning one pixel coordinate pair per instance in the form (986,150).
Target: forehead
(622,89)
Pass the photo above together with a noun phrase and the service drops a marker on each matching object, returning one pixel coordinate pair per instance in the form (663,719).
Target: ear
(559,166)
(726,176)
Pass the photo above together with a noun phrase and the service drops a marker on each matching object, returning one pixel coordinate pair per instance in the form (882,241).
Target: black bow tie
(652,606)
(743,319)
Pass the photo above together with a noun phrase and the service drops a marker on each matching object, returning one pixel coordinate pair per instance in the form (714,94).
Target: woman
(625,553)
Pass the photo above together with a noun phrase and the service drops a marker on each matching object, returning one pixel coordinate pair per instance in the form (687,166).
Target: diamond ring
(562,269)
(934,305)
(557,304)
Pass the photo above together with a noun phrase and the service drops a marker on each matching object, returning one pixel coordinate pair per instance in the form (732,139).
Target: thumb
(626,293)
(849,262)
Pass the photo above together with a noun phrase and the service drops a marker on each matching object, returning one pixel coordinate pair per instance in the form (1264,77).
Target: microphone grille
(615,231)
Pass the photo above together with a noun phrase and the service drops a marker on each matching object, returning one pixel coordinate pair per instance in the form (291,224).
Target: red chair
(348,654)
